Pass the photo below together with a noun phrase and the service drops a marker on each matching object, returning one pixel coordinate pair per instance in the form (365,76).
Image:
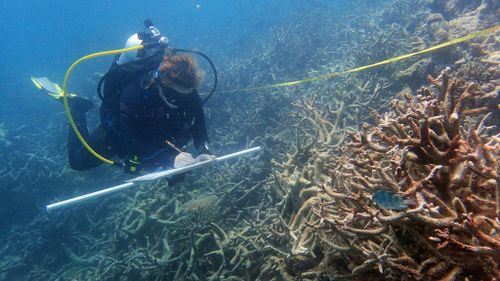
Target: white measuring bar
(145,178)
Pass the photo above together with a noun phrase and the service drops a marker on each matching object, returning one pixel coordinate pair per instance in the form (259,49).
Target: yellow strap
(361,68)
(65,98)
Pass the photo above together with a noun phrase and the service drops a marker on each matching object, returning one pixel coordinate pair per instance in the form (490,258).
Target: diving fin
(49,87)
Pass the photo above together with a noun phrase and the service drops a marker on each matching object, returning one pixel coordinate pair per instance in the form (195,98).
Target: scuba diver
(150,109)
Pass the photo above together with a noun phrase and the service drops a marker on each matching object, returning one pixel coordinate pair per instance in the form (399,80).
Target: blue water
(43,38)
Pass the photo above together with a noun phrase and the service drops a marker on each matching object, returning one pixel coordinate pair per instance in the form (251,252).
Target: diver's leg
(79,157)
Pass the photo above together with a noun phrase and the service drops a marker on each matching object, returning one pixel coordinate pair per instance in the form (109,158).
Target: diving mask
(158,77)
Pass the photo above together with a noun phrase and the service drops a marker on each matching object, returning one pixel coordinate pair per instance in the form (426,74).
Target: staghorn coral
(430,149)
(310,217)
(326,224)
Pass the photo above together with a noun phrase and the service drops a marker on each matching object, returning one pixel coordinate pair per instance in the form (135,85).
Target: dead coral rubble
(435,148)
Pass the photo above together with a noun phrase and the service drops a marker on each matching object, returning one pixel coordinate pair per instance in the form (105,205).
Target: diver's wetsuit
(146,121)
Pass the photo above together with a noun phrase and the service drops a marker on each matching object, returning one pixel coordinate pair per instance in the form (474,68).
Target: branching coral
(437,148)
(428,148)
(309,215)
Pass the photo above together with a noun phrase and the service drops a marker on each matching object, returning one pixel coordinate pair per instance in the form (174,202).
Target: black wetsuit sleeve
(199,133)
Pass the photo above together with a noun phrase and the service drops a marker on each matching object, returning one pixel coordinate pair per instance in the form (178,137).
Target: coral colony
(387,174)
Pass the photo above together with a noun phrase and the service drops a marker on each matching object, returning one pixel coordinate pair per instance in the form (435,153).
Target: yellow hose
(65,98)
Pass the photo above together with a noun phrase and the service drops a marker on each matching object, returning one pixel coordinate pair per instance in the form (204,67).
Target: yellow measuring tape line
(334,74)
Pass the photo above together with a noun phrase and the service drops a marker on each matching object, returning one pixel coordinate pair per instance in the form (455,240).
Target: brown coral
(428,149)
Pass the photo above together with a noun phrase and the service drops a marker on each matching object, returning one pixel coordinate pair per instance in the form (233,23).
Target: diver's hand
(184,159)
(205,157)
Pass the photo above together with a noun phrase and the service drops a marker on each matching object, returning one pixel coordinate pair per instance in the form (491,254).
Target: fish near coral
(389,200)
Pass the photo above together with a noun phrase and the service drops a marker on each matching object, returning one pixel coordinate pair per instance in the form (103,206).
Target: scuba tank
(151,38)
(132,65)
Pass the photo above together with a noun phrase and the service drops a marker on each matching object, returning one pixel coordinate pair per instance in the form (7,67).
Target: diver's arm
(200,136)
(199,132)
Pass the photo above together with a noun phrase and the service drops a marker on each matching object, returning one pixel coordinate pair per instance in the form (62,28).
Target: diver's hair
(180,70)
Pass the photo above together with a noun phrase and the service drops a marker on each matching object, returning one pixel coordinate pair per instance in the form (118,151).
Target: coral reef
(436,148)
(302,210)
(425,151)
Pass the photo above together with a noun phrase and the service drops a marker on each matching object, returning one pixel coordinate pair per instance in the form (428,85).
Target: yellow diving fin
(49,87)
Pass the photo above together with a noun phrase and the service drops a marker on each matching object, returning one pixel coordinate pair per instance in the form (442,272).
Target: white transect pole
(92,195)
(148,177)
(173,172)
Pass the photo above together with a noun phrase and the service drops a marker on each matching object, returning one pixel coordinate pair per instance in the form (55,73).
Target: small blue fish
(389,200)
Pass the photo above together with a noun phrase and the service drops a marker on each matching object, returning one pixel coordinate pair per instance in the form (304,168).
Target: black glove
(132,166)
